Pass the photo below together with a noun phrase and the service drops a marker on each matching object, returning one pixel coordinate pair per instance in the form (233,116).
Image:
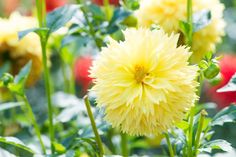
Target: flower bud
(212,71)
(7,78)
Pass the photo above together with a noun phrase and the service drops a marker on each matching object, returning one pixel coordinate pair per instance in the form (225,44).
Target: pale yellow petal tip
(145,82)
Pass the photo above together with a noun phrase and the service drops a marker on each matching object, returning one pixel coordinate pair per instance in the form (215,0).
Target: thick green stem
(124,145)
(171,151)
(190,22)
(199,131)
(34,122)
(48,92)
(41,10)
(94,127)
(190,133)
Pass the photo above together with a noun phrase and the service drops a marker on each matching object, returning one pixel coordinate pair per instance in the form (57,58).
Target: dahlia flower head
(19,52)
(168,14)
(227,70)
(144,83)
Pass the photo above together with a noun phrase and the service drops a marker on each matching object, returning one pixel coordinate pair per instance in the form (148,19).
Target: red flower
(112,2)
(228,69)
(81,68)
(53,4)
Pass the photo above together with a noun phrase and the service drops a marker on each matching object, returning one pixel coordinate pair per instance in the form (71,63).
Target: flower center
(140,73)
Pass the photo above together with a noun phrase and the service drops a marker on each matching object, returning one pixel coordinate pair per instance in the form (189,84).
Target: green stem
(190,21)
(39,13)
(34,122)
(190,133)
(124,145)
(41,10)
(95,130)
(199,131)
(171,151)
(48,92)
(91,28)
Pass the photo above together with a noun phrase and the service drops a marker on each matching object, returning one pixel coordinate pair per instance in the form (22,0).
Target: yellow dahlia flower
(145,83)
(19,52)
(168,13)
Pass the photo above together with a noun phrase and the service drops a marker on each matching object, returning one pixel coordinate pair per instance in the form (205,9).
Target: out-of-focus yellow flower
(145,83)
(19,52)
(168,13)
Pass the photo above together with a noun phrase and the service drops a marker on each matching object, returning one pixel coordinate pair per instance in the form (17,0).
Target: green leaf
(184,27)
(230,87)
(23,74)
(38,31)
(6,79)
(216,144)
(60,16)
(17,85)
(226,115)
(79,40)
(22,34)
(10,105)
(119,16)
(206,106)
(15,146)
(59,148)
(209,56)
(201,19)
(97,12)
(183,125)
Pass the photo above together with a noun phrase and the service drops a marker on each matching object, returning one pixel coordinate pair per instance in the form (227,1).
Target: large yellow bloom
(145,83)
(168,13)
(18,53)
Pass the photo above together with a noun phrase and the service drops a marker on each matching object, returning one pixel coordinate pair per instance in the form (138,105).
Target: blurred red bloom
(53,4)
(228,69)
(81,71)
(112,2)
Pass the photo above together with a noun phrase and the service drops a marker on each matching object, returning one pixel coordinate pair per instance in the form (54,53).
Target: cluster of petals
(145,83)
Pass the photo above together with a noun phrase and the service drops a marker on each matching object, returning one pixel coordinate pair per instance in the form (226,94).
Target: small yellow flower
(168,13)
(145,83)
(18,53)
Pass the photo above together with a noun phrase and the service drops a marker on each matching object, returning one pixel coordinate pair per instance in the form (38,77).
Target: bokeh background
(214,100)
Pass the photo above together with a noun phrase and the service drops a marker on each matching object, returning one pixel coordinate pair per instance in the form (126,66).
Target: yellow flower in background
(19,52)
(145,83)
(168,13)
